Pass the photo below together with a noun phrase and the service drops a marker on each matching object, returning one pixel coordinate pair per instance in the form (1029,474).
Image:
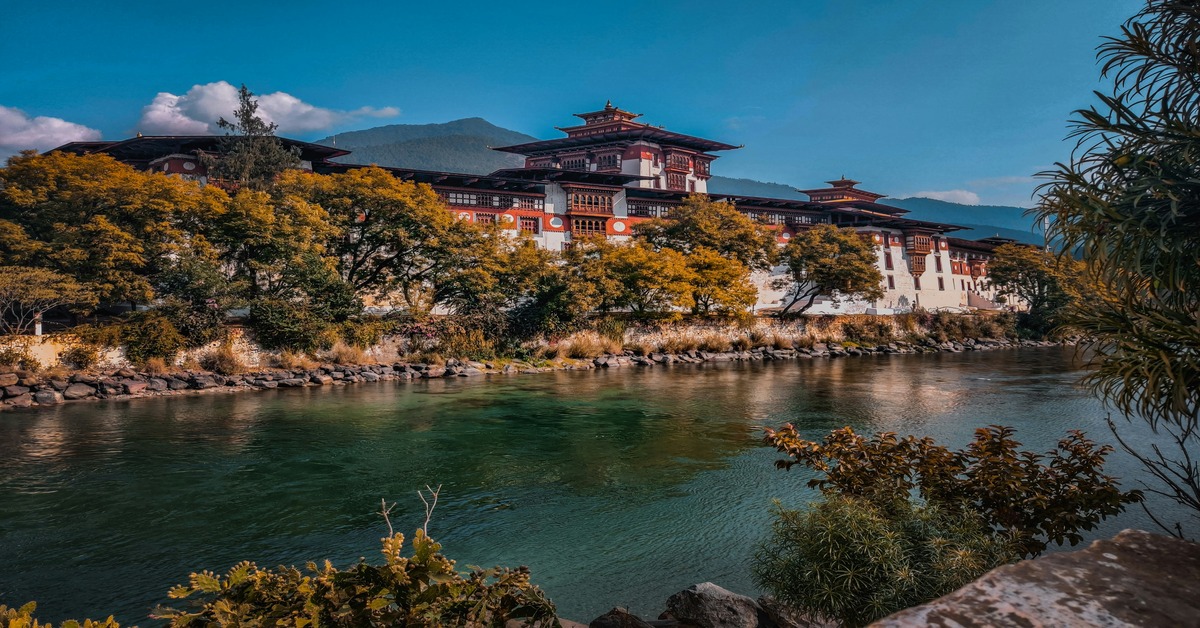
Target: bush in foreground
(423,589)
(848,560)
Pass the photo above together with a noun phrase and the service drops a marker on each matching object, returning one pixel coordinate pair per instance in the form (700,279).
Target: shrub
(715,343)
(470,344)
(867,330)
(148,335)
(611,328)
(291,361)
(19,357)
(23,618)
(222,360)
(742,343)
(364,332)
(781,342)
(158,366)
(281,324)
(642,348)
(418,590)
(759,338)
(680,344)
(848,560)
(1032,498)
(804,342)
(199,325)
(80,356)
(587,344)
(342,353)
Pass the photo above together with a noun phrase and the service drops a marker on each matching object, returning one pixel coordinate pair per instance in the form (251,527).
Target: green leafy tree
(28,293)
(850,561)
(249,155)
(653,283)
(1033,499)
(1046,282)
(718,226)
(1129,202)
(826,260)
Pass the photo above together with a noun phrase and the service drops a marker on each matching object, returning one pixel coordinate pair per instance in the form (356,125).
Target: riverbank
(22,389)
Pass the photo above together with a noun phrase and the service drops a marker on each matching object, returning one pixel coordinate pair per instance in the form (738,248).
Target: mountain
(750,187)
(983,220)
(457,146)
(462,146)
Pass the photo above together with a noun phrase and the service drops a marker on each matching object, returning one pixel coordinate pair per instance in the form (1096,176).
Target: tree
(1032,499)
(720,285)
(28,293)
(1045,281)
(1129,202)
(718,226)
(107,225)
(249,154)
(826,260)
(652,282)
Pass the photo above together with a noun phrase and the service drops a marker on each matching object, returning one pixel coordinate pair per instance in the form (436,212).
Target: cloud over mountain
(965,197)
(197,111)
(19,131)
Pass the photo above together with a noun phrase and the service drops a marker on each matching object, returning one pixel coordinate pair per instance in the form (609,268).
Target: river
(616,487)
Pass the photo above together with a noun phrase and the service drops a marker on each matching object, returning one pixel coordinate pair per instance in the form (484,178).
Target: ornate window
(590,201)
(530,225)
(584,227)
(676,181)
(484,218)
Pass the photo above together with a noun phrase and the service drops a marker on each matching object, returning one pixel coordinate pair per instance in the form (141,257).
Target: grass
(222,360)
(291,360)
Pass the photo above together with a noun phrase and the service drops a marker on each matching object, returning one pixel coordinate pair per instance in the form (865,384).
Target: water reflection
(616,487)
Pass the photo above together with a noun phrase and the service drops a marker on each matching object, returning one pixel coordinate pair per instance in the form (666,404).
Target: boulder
(20,401)
(48,397)
(470,371)
(59,384)
(370,376)
(784,616)
(321,380)
(432,372)
(204,382)
(618,617)
(177,384)
(265,383)
(78,391)
(157,384)
(9,379)
(707,605)
(133,387)
(15,391)
(292,382)
(1134,579)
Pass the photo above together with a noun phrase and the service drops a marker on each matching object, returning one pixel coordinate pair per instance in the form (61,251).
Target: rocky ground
(24,389)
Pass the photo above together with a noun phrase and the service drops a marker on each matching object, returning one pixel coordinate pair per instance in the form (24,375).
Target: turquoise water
(616,487)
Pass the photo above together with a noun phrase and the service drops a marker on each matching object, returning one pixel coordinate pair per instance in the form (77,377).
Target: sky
(963,100)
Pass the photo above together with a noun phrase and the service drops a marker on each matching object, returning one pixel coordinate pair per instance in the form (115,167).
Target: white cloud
(964,197)
(197,111)
(20,132)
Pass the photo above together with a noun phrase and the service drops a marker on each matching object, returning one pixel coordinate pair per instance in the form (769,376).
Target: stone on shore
(707,605)
(619,617)
(1134,579)
(48,397)
(78,391)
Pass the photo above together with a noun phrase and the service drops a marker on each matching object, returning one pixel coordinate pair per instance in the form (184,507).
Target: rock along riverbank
(22,389)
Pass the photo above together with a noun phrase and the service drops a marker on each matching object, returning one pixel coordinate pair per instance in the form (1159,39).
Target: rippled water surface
(616,487)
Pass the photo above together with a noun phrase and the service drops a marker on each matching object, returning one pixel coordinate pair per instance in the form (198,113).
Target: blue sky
(965,99)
